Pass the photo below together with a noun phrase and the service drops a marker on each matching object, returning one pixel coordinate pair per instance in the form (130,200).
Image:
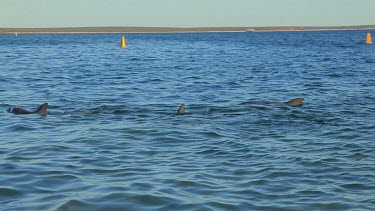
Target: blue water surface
(112,139)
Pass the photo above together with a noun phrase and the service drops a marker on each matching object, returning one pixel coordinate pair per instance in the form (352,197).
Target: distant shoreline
(118,30)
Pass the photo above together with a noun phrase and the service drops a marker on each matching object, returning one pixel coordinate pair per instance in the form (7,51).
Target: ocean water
(112,139)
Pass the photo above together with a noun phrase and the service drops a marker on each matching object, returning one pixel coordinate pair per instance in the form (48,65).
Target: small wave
(210,152)
(284,174)
(219,206)
(151,200)
(358,156)
(4,80)
(9,192)
(358,187)
(104,109)
(64,177)
(135,59)
(104,171)
(141,186)
(21,127)
(226,111)
(211,134)
(75,205)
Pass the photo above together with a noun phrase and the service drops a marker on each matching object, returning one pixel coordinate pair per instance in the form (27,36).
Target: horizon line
(192,27)
(140,29)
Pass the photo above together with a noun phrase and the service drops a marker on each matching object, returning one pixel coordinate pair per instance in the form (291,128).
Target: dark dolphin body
(294,102)
(42,110)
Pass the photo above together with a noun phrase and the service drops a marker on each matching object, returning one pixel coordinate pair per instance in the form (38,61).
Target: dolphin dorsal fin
(181,110)
(42,110)
(295,102)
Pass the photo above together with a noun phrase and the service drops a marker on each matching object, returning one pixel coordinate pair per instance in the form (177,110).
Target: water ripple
(113,141)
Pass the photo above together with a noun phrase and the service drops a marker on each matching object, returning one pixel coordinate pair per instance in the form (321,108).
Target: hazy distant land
(82,30)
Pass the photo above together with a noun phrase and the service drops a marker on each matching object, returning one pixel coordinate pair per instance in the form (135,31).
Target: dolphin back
(295,102)
(18,110)
(181,110)
(42,110)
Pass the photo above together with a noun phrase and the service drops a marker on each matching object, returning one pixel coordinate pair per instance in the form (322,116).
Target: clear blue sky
(185,13)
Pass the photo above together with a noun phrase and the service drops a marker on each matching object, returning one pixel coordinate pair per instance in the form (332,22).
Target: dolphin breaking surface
(42,110)
(294,102)
(297,102)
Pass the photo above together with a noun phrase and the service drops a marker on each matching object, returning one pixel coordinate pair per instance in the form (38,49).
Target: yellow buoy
(368,39)
(123,43)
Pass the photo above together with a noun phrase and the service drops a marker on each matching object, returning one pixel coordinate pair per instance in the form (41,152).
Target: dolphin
(294,102)
(42,110)
(181,110)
